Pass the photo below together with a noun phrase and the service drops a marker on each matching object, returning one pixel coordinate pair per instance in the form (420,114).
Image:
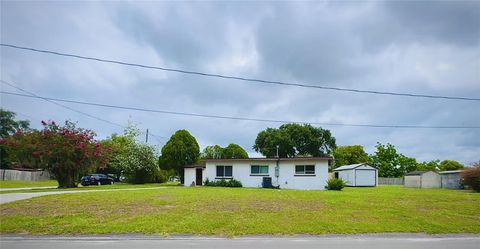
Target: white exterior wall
(241,172)
(189,175)
(431,180)
(354,177)
(366,179)
(286,179)
(289,180)
(348,176)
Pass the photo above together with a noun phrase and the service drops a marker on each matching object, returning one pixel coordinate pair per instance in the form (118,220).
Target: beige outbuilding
(423,179)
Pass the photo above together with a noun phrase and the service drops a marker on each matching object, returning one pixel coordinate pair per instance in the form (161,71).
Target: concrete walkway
(379,241)
(6,198)
(29,188)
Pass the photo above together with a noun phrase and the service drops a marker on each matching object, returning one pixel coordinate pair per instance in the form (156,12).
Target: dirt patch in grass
(260,205)
(281,205)
(165,196)
(94,209)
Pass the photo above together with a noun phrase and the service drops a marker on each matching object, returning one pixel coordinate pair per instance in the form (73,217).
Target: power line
(61,105)
(238,118)
(72,109)
(283,83)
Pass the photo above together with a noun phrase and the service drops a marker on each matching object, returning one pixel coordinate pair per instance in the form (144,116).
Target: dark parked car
(96,179)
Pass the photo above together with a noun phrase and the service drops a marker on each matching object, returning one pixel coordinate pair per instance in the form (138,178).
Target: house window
(259,170)
(224,171)
(304,169)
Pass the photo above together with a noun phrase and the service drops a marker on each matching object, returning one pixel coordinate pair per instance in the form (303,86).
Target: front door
(198,181)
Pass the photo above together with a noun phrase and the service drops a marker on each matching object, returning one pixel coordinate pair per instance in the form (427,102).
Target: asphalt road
(387,241)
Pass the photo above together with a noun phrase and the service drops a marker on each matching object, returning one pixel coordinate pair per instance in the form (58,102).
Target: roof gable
(352,166)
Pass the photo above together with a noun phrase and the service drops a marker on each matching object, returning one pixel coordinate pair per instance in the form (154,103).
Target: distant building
(423,179)
(451,179)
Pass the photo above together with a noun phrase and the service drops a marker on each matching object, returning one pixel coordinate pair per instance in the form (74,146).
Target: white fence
(21,175)
(390,181)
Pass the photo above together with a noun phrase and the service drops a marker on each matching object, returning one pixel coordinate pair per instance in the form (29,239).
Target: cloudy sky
(414,47)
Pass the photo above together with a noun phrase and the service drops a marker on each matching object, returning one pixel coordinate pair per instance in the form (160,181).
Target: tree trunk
(66,180)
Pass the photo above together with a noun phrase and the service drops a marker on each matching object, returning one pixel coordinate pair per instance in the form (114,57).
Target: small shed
(357,175)
(451,179)
(423,179)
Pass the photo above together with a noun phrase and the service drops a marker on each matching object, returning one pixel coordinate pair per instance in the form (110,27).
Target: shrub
(232,183)
(471,177)
(335,184)
(140,164)
(160,176)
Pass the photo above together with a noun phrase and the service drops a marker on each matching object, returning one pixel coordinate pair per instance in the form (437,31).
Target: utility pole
(277,167)
(146,137)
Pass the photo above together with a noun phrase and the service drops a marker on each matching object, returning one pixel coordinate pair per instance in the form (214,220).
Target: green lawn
(28,184)
(94,187)
(232,212)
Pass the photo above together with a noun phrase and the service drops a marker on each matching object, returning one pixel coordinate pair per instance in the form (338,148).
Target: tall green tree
(8,124)
(390,163)
(293,140)
(217,152)
(450,165)
(212,152)
(428,166)
(234,151)
(182,149)
(8,127)
(349,154)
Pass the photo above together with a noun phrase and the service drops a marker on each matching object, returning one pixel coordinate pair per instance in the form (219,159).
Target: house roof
(417,173)
(201,164)
(270,159)
(351,166)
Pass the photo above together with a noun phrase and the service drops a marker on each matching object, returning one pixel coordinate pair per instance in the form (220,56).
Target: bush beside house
(231,183)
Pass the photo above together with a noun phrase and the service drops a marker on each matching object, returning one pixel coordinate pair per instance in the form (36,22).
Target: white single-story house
(287,173)
(423,179)
(357,175)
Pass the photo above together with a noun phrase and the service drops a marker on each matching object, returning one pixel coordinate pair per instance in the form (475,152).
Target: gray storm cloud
(416,47)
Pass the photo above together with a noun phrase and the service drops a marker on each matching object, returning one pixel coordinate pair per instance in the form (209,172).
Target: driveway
(29,188)
(389,241)
(5,198)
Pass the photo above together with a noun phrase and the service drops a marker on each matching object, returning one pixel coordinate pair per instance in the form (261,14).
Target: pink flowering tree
(65,151)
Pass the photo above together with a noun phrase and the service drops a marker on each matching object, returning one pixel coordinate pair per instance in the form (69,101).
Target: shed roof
(352,166)
(451,172)
(417,173)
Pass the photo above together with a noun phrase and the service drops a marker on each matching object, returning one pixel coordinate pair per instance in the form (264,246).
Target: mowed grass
(233,212)
(28,184)
(95,187)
